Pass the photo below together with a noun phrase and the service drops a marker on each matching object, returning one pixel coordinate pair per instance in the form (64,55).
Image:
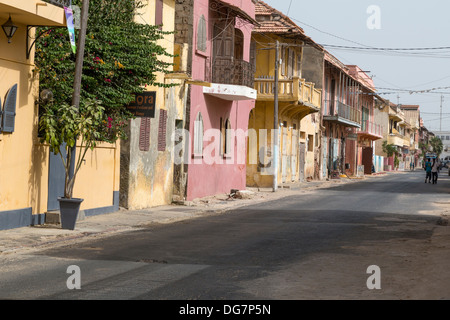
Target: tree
(436,145)
(121,59)
(390,151)
(63,126)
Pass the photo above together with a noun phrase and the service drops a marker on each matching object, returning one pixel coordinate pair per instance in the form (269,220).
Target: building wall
(309,129)
(220,176)
(24,161)
(147,176)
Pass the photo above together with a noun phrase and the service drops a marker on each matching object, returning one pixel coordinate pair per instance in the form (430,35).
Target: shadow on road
(407,182)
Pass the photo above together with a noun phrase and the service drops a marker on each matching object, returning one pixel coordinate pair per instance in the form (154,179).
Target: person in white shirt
(435,170)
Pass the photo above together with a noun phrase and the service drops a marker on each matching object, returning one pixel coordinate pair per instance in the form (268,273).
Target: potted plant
(63,127)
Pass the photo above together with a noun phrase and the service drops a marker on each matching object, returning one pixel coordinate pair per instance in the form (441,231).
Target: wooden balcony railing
(295,89)
(342,110)
(371,128)
(230,71)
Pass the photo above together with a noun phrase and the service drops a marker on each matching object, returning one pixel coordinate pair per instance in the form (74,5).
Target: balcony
(302,95)
(396,138)
(339,112)
(230,71)
(371,130)
(231,79)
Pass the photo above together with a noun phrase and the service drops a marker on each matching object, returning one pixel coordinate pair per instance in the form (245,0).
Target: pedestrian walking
(428,166)
(435,170)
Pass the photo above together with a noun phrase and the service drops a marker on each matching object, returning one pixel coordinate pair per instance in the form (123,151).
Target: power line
(385,49)
(289,9)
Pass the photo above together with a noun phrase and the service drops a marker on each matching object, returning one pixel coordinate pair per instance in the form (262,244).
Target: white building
(445,137)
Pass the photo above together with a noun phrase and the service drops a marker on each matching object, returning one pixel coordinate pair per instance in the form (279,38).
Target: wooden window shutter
(228,41)
(253,55)
(9,111)
(299,64)
(217,41)
(283,60)
(198,135)
(159,12)
(144,134)
(228,137)
(162,142)
(291,63)
(201,34)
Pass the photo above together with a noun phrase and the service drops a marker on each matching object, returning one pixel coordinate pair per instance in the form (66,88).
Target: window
(162,141)
(238,45)
(198,135)
(144,135)
(299,65)
(159,12)
(302,135)
(310,143)
(228,137)
(291,63)
(224,39)
(201,34)
(9,110)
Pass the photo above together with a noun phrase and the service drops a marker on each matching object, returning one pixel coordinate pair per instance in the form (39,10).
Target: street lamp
(9,28)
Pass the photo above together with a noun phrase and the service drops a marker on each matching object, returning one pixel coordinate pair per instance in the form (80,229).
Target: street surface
(310,245)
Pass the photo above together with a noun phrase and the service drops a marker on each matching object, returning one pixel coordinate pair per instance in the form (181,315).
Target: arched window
(198,135)
(201,34)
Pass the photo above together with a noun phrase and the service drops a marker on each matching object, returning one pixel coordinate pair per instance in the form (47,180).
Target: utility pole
(79,72)
(275,121)
(442,101)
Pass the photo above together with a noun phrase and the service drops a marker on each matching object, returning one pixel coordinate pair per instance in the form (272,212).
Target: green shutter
(9,112)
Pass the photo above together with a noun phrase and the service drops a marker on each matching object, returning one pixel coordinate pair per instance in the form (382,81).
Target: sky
(400,76)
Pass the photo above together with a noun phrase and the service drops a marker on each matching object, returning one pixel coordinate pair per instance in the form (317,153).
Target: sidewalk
(43,236)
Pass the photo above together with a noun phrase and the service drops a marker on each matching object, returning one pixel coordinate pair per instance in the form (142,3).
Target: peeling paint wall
(147,177)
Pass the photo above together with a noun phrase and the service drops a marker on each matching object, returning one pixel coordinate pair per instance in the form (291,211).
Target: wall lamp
(9,28)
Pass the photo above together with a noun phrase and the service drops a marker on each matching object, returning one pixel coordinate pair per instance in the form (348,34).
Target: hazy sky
(399,24)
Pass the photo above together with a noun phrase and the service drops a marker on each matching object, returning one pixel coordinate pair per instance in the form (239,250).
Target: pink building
(216,38)
(348,119)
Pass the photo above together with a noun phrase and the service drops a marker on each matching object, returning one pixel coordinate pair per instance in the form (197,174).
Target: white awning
(230,92)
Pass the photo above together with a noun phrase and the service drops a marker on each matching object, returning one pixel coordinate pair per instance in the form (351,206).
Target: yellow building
(149,172)
(298,104)
(29,181)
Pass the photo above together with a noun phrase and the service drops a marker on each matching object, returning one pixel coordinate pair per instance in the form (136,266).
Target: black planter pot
(69,209)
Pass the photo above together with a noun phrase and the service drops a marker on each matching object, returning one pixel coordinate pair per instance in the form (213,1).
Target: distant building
(445,138)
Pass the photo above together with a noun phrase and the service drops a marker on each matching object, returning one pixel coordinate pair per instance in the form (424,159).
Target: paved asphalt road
(314,245)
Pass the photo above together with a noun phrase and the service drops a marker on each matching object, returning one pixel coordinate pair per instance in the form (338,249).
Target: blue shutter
(9,112)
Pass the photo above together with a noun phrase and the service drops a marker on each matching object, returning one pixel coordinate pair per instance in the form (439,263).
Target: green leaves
(389,149)
(65,125)
(121,58)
